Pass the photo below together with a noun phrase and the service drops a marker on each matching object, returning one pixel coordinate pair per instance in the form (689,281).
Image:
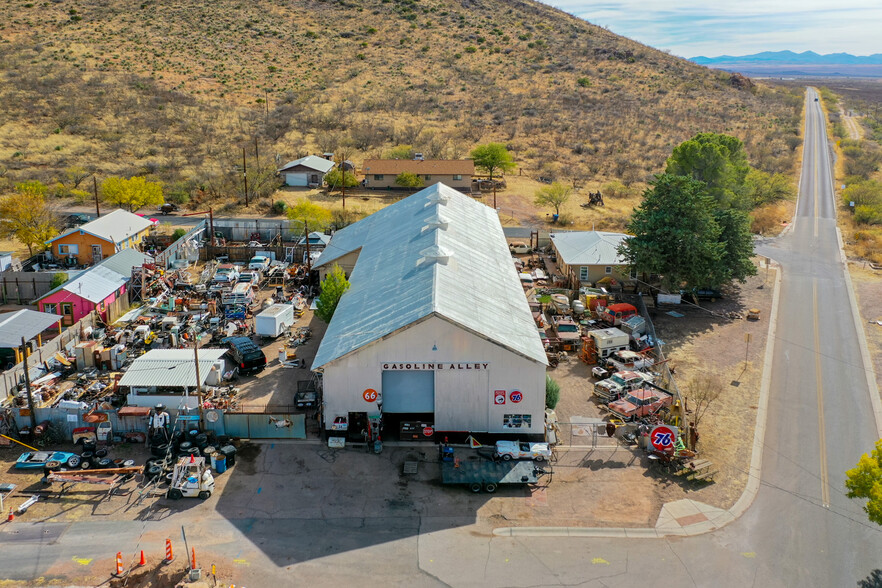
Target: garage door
(408,392)
(295,179)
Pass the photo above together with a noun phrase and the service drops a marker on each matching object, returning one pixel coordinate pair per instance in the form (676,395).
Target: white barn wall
(463,398)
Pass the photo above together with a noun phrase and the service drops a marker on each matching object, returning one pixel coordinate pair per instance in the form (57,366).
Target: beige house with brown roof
(456,173)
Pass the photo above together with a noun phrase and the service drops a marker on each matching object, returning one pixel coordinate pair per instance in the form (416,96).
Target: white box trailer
(273,321)
(608,341)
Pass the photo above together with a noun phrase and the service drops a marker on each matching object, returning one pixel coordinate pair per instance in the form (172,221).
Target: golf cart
(192,478)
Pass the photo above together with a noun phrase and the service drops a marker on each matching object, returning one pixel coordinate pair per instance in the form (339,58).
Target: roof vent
(434,254)
(436,221)
(437,197)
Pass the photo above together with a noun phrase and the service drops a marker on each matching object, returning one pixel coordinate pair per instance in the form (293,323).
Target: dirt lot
(868,289)
(700,340)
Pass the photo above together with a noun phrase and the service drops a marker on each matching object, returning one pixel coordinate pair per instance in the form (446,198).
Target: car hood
(622,406)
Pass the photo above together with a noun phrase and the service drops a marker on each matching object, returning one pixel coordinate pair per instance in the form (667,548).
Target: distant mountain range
(788,63)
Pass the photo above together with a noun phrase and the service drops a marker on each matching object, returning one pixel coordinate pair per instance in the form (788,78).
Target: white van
(518,247)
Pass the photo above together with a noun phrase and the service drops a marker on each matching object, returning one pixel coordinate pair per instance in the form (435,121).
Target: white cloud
(691,28)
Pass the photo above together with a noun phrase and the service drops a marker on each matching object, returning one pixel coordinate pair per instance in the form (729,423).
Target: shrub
(868,215)
(615,189)
(178,234)
(58,279)
(584,82)
(552,392)
(279,207)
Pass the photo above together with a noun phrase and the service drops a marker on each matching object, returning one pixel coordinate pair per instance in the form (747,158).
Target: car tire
(204,495)
(490,488)
(105,463)
(175,494)
(475,487)
(85,464)
(539,458)
(506,457)
(74,461)
(152,472)
(100,453)
(53,465)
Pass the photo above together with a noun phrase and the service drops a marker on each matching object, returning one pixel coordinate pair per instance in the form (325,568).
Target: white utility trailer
(275,320)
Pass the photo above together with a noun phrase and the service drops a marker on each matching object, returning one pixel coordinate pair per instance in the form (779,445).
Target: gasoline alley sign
(434,366)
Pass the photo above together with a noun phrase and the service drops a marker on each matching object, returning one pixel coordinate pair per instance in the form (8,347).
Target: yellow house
(99,239)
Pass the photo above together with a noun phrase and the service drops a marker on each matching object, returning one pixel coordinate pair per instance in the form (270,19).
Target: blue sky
(689,28)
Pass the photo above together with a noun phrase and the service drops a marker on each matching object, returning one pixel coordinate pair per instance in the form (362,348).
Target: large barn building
(435,331)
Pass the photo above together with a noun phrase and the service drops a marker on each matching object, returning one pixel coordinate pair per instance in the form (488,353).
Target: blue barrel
(220,463)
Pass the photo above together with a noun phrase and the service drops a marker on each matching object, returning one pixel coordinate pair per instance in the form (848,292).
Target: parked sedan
(509,450)
(50,459)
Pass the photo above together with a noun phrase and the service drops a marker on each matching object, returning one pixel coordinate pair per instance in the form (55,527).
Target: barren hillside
(175,88)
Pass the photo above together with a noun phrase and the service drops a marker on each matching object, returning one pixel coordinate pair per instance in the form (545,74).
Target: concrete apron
(688,517)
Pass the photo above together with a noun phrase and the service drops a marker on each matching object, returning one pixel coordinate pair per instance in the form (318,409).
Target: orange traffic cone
(143,561)
(194,559)
(119,565)
(192,458)
(169,556)
(11,516)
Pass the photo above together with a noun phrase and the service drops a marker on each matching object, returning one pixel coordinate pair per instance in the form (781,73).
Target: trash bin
(211,455)
(219,462)
(229,452)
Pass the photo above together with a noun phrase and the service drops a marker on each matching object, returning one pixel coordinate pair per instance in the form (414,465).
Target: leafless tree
(703,390)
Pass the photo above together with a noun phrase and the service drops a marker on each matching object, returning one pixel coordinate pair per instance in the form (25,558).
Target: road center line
(822,435)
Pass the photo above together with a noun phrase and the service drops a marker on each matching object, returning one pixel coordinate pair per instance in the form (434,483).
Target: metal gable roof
(311,161)
(171,367)
(589,247)
(123,261)
(24,323)
(411,267)
(464,167)
(114,226)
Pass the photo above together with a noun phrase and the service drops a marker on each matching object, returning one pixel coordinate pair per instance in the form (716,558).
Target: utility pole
(27,379)
(308,258)
(211,226)
(342,180)
(198,379)
(245,176)
(95,190)
(256,155)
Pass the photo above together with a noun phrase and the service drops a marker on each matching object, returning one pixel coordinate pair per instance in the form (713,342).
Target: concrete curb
(873,388)
(732,514)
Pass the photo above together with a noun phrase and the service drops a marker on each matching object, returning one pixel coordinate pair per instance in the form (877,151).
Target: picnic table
(699,469)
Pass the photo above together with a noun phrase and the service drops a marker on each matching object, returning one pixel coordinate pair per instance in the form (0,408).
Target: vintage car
(509,450)
(50,459)
(619,383)
(640,403)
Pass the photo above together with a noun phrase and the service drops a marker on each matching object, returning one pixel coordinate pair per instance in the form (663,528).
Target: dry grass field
(175,90)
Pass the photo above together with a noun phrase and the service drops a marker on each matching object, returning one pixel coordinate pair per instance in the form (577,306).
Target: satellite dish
(212,416)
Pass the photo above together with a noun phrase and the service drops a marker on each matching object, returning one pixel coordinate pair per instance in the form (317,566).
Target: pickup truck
(640,403)
(509,450)
(566,328)
(619,383)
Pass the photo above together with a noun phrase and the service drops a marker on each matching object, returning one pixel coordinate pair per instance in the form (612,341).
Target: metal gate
(265,426)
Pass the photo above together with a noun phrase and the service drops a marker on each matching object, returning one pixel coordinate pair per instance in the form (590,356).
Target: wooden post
(27,379)
(95,190)
(245,176)
(211,226)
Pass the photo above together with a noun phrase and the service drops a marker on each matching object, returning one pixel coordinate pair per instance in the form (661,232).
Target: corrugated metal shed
(589,247)
(401,275)
(170,367)
(24,323)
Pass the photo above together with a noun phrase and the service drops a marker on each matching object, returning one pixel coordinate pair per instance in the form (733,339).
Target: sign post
(663,438)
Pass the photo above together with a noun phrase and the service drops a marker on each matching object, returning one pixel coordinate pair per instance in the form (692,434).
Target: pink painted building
(101,288)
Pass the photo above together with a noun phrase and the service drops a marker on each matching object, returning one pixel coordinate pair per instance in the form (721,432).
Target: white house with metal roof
(435,328)
(306,171)
(168,376)
(588,257)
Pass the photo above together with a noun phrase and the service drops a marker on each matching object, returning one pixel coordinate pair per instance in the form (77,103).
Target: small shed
(169,376)
(306,171)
